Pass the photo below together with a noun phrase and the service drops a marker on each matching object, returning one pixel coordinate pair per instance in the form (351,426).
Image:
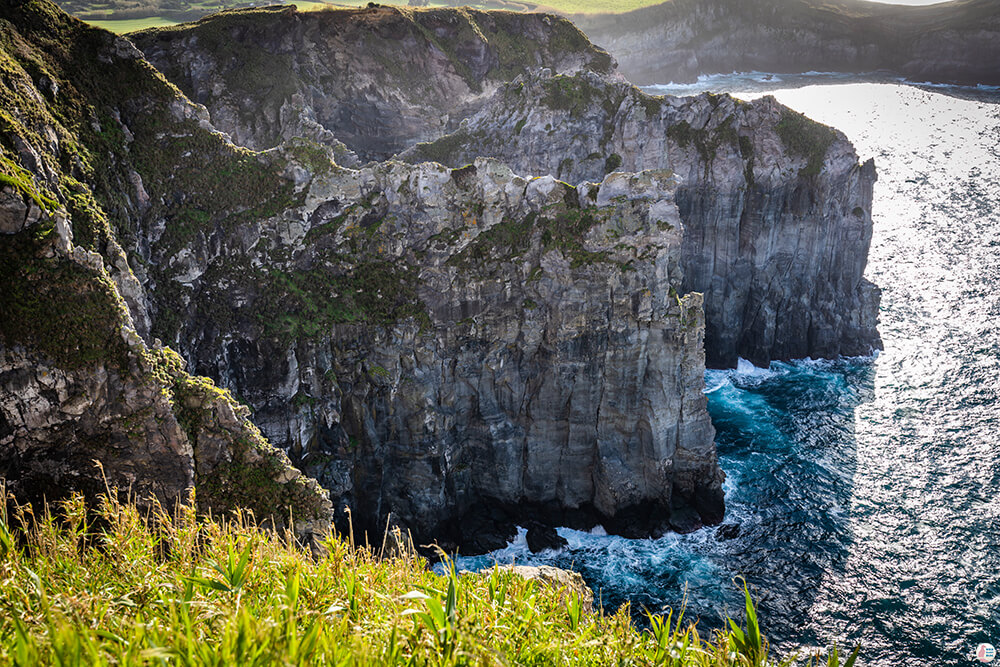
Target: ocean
(866,489)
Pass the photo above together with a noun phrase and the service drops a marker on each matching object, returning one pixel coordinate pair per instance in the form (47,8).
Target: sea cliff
(776,208)
(448,349)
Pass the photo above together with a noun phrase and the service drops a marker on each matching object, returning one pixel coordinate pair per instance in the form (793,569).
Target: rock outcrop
(466,348)
(85,401)
(948,42)
(378,79)
(776,208)
(447,351)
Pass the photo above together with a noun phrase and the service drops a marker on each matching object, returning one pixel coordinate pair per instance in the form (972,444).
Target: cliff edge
(776,208)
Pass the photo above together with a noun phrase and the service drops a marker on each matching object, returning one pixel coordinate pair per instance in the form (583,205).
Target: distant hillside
(376,79)
(952,42)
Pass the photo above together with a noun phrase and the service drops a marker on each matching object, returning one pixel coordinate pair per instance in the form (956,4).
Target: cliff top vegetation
(118,586)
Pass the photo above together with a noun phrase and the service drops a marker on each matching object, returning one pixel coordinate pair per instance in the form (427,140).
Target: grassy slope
(118,588)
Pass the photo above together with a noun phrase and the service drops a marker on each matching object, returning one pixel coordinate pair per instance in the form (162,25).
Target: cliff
(776,208)
(86,398)
(376,80)
(449,351)
(466,348)
(948,42)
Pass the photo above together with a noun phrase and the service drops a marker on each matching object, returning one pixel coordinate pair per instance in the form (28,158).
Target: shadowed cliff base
(951,42)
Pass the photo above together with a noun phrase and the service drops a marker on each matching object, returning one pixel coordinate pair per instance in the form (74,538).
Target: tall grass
(113,585)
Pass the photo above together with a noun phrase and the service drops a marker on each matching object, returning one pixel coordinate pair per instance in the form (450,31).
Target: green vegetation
(613,162)
(508,239)
(123,26)
(67,312)
(20,179)
(129,15)
(562,227)
(306,304)
(565,232)
(445,150)
(806,138)
(247,475)
(576,95)
(315,156)
(706,141)
(116,585)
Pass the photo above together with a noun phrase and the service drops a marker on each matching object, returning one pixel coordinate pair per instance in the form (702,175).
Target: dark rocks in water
(950,42)
(727,531)
(775,208)
(484,528)
(541,537)
(685,520)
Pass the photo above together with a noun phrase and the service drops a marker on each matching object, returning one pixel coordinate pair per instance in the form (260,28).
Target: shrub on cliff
(113,586)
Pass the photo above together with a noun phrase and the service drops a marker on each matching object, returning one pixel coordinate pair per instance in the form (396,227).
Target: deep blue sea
(866,489)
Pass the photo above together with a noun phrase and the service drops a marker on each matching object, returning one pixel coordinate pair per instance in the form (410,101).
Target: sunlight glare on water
(866,490)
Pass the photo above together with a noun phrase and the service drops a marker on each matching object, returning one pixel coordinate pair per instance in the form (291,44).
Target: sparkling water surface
(866,490)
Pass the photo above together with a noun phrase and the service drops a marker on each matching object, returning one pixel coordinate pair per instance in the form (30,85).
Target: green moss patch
(67,312)
(577,95)
(706,141)
(806,138)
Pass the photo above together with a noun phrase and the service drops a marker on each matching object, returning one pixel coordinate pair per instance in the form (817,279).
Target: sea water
(866,490)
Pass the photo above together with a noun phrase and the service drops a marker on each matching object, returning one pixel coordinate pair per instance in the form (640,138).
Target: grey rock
(776,234)
(554,364)
(371,81)
(681,39)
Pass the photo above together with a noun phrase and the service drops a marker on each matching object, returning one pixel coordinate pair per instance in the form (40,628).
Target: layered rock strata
(461,349)
(448,351)
(376,80)
(776,208)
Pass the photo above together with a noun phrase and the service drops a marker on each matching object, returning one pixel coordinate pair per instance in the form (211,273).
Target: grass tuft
(118,585)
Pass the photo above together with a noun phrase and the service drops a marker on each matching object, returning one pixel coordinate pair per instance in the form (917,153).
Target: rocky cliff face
(949,42)
(79,385)
(776,208)
(463,348)
(446,350)
(377,79)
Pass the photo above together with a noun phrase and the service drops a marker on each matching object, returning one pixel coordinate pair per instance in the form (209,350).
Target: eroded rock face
(376,80)
(956,42)
(776,208)
(96,409)
(86,402)
(534,354)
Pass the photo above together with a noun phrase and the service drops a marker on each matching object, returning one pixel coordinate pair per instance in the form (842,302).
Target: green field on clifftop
(124,16)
